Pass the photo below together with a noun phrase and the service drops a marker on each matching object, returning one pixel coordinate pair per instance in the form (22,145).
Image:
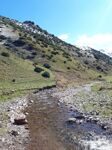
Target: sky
(79,22)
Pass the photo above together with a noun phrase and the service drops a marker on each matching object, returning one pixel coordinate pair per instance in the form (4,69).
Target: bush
(19,43)
(68,68)
(99,68)
(45,45)
(29,22)
(29,47)
(47,66)
(100,76)
(13,80)
(43,56)
(54,52)
(86,62)
(54,60)
(34,53)
(49,57)
(46,74)
(66,55)
(5,54)
(38,69)
(2,37)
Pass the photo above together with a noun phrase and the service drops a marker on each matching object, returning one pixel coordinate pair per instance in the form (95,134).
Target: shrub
(66,55)
(86,62)
(29,47)
(13,80)
(5,54)
(29,22)
(46,74)
(34,53)
(54,52)
(69,59)
(43,51)
(30,57)
(38,69)
(68,68)
(49,57)
(64,62)
(43,56)
(54,60)
(100,76)
(20,34)
(19,43)
(47,66)
(2,37)
(99,68)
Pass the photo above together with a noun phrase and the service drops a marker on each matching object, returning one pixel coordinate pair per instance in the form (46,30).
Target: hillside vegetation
(31,58)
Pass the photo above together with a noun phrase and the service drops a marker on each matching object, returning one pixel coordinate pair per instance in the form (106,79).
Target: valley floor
(72,119)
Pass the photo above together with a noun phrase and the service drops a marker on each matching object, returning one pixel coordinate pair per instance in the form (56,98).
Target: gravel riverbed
(12,135)
(54,119)
(94,115)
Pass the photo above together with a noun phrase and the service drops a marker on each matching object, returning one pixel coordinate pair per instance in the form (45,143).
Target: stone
(19,119)
(79,121)
(71,120)
(14,133)
(104,126)
(80,117)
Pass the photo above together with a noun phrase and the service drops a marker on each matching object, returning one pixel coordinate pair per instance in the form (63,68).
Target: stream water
(49,129)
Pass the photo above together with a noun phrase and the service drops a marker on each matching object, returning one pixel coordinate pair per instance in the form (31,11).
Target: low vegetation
(38,69)
(17,76)
(46,74)
(33,60)
(5,54)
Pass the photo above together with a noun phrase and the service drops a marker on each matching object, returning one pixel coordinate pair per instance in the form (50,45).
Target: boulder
(71,120)
(19,119)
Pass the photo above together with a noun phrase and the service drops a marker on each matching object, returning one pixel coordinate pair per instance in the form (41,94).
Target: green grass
(104,85)
(97,87)
(106,111)
(21,71)
(108,78)
(25,78)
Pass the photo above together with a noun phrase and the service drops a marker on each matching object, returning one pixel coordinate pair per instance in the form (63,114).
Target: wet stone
(71,120)
(14,133)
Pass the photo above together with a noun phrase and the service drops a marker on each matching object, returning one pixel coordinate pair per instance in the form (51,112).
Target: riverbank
(13,135)
(90,112)
(56,119)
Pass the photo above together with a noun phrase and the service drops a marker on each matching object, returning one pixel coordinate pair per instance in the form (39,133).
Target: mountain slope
(29,47)
(17,75)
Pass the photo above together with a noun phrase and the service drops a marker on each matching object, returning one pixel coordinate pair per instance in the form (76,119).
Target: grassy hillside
(27,50)
(18,75)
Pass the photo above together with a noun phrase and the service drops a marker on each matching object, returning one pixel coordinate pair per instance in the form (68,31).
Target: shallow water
(49,130)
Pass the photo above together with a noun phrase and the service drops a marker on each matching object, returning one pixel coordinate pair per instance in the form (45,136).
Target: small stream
(50,130)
